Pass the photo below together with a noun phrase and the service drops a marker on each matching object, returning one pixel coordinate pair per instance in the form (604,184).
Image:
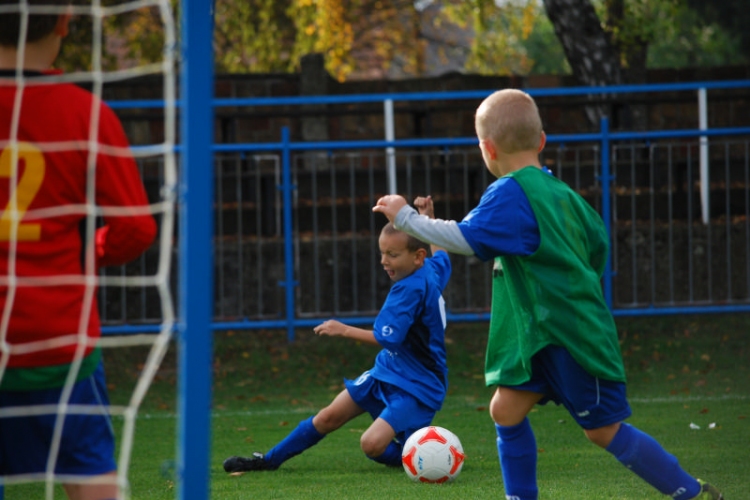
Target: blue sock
(391,456)
(640,453)
(516,447)
(301,438)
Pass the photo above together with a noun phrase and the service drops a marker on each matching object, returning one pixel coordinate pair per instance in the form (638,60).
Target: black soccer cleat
(244,464)
(708,492)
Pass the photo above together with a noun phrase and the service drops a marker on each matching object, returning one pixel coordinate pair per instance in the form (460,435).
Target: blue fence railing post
(286,189)
(606,183)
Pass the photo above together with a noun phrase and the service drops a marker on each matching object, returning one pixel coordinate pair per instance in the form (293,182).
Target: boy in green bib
(552,336)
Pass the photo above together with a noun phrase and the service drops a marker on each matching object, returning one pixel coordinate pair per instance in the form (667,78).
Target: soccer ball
(433,455)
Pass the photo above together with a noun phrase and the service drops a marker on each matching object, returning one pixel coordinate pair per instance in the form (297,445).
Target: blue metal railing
(285,147)
(430,96)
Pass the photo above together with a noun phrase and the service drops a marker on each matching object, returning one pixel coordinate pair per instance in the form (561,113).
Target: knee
(502,415)
(371,446)
(603,435)
(327,421)
(509,407)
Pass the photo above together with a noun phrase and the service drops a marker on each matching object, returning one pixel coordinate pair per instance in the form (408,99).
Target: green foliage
(253,36)
(675,34)
(128,39)
(356,37)
(516,37)
(689,40)
(322,26)
(500,32)
(545,51)
(731,16)
(635,24)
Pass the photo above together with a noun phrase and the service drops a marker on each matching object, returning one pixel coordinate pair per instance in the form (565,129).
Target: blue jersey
(411,329)
(503,222)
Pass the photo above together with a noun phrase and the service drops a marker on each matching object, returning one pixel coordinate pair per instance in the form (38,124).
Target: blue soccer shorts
(405,413)
(87,446)
(591,401)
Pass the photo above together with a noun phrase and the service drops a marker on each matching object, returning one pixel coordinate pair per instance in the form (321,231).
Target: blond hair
(510,118)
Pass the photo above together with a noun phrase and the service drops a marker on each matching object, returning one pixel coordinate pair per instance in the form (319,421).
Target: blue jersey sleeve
(441,263)
(503,223)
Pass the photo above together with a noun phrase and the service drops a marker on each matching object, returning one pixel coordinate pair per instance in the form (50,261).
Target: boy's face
(396,258)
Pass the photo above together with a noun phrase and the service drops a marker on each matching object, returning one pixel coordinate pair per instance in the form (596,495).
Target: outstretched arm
(426,207)
(335,328)
(443,233)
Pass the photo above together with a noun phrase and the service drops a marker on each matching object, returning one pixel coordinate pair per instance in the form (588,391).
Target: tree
(257,35)
(608,42)
(604,42)
(545,50)
(128,39)
(269,36)
(693,39)
(387,34)
(498,33)
(732,15)
(588,47)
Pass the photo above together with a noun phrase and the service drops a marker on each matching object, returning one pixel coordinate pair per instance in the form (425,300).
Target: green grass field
(682,371)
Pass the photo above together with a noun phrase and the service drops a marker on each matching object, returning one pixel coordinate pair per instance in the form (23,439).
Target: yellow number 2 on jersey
(24,192)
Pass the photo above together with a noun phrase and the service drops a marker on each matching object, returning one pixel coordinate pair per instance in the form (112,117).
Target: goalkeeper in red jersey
(62,151)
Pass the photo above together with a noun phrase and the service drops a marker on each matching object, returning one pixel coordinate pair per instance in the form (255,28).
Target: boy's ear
(542,142)
(62,28)
(490,148)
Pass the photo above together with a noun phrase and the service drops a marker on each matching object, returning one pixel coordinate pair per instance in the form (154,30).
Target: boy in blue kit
(552,336)
(407,385)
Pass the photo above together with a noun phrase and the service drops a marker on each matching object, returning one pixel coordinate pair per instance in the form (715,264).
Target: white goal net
(26,164)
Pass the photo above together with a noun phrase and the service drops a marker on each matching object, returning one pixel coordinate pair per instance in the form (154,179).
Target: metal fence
(296,240)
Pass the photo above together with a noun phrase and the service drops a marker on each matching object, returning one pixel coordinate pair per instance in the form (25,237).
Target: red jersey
(52,246)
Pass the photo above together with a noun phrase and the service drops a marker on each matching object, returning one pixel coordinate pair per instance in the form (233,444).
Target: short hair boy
(407,385)
(552,336)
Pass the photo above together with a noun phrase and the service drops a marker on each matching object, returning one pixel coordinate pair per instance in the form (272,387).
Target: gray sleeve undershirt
(443,233)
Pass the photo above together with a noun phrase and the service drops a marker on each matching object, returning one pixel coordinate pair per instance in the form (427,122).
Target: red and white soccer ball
(433,455)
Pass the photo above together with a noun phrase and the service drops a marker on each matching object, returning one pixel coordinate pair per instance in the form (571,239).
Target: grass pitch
(689,387)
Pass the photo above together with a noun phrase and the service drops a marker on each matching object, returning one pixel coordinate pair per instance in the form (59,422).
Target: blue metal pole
(606,183)
(195,344)
(286,188)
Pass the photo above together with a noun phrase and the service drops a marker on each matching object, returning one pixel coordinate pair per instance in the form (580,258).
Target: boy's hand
(389,205)
(424,206)
(331,327)
(334,328)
